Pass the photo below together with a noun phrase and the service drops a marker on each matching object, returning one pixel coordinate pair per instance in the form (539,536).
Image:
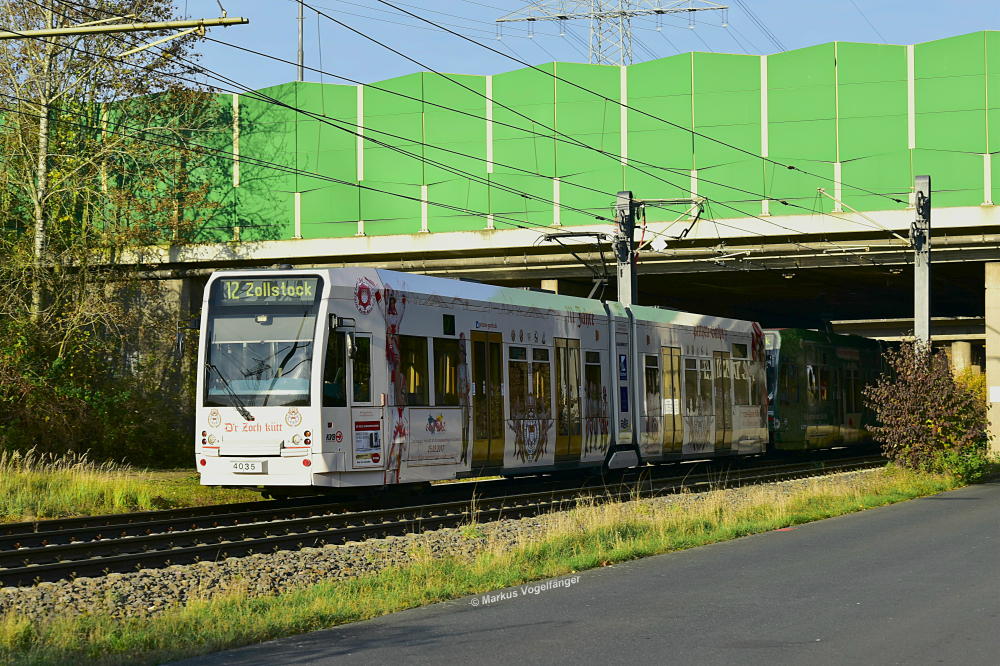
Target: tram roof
(444,287)
(447,287)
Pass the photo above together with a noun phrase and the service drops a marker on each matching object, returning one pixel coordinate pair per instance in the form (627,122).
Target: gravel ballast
(151,591)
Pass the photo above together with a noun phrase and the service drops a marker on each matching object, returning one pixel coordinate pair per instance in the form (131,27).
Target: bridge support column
(993,351)
(961,356)
(551,285)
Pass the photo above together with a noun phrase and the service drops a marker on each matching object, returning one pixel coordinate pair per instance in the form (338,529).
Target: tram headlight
(296,439)
(212,439)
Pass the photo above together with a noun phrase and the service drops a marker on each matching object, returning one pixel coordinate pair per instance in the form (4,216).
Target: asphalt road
(913,583)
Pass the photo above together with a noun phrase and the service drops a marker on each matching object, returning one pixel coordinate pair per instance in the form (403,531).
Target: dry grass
(39,486)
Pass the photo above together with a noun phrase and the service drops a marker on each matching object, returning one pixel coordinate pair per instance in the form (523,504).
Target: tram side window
(362,369)
(517,377)
(788,384)
(697,386)
(741,383)
(593,385)
(824,383)
(706,387)
(690,386)
(541,379)
(852,390)
(413,369)
(652,375)
(812,383)
(335,372)
(445,372)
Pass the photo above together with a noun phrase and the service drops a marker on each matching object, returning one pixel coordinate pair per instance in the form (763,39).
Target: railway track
(53,550)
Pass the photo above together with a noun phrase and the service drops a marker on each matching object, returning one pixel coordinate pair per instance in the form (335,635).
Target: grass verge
(583,538)
(36,486)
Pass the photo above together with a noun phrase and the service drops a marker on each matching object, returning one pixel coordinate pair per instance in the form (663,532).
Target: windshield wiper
(236,401)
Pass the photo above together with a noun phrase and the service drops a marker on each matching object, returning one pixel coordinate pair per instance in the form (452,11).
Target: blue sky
(794,23)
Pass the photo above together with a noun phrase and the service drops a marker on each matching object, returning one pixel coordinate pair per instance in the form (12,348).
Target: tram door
(569,422)
(487,399)
(723,402)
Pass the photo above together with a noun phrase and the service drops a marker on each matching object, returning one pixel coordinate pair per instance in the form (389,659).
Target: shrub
(927,418)
(77,399)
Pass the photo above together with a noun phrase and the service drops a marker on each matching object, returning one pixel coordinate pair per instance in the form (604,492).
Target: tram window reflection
(595,393)
(690,386)
(335,372)
(362,369)
(652,376)
(541,380)
(741,383)
(812,384)
(705,393)
(517,374)
(413,368)
(446,358)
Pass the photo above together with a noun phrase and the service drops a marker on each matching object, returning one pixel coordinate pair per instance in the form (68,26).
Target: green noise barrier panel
(525,149)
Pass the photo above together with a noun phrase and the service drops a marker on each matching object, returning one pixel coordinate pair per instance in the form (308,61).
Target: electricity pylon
(610,20)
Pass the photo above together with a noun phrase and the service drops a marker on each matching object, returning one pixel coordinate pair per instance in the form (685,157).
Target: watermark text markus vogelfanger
(523,591)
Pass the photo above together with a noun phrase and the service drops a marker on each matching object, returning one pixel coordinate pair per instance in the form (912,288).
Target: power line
(740,211)
(209,150)
(620,103)
(565,138)
(259,161)
(231,156)
(513,190)
(870,24)
(446,167)
(761,26)
(577,142)
(243,89)
(439,165)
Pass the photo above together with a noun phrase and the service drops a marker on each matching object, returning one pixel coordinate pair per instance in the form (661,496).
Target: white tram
(352,377)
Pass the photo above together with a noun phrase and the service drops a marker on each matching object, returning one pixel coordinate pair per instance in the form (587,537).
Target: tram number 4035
(248,466)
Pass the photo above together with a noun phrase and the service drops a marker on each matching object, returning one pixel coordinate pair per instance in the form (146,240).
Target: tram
(814,383)
(353,377)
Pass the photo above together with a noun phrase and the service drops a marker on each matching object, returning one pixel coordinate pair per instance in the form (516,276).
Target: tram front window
(260,341)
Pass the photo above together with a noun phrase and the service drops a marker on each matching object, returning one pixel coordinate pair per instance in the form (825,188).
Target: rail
(97,546)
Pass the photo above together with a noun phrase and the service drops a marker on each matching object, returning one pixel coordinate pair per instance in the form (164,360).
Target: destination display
(267,291)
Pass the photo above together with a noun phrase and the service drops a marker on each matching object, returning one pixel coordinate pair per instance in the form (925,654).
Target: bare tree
(99,159)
